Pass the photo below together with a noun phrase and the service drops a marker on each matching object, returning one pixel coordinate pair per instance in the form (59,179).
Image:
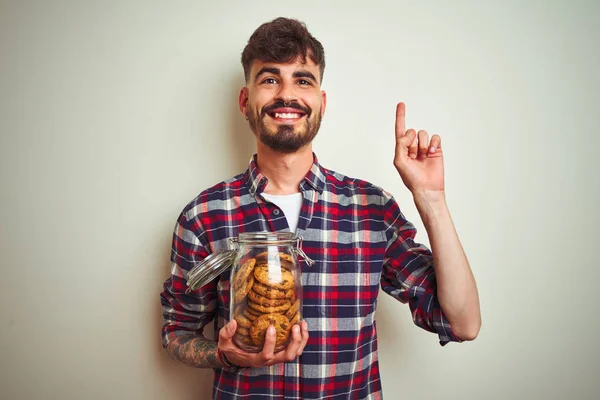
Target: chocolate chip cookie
(285,260)
(243,341)
(293,309)
(238,309)
(259,328)
(282,279)
(243,273)
(250,314)
(271,293)
(270,310)
(243,321)
(243,331)
(242,292)
(295,319)
(264,301)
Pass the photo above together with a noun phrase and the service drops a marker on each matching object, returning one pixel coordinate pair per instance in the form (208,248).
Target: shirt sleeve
(185,314)
(409,276)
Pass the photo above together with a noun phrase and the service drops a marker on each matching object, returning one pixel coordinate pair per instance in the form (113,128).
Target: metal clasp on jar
(298,250)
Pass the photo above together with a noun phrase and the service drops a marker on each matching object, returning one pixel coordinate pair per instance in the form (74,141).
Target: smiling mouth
(286,114)
(285,117)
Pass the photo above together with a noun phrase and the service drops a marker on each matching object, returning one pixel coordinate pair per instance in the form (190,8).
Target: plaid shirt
(360,241)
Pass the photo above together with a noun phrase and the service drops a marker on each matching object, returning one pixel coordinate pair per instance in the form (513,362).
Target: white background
(113,115)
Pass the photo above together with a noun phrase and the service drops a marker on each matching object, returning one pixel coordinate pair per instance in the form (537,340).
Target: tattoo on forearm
(195,351)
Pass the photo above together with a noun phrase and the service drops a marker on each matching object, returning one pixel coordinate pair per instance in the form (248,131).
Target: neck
(284,171)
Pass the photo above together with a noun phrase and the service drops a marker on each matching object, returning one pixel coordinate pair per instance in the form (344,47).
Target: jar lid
(209,268)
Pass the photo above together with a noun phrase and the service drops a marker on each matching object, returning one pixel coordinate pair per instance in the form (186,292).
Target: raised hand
(419,161)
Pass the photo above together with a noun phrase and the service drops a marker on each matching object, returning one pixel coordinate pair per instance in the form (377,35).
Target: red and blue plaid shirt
(360,241)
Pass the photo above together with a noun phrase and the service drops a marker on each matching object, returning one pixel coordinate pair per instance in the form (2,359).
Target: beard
(285,138)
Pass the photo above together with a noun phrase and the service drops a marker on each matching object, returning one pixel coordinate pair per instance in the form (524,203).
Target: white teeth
(287,115)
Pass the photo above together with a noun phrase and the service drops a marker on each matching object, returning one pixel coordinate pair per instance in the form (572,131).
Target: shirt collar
(256,181)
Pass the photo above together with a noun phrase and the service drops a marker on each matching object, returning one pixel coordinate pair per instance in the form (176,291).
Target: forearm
(456,287)
(195,351)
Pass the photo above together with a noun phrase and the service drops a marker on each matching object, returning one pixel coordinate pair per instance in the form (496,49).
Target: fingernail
(413,156)
(296,329)
(230,327)
(432,149)
(271,330)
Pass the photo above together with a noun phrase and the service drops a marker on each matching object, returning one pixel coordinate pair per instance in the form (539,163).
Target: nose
(287,93)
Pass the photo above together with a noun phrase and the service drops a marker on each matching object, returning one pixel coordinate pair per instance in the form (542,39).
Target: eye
(304,82)
(269,81)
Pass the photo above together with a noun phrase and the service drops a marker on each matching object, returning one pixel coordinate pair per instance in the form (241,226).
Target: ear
(243,101)
(323,102)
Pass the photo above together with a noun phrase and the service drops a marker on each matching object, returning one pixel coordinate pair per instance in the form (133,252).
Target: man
(354,231)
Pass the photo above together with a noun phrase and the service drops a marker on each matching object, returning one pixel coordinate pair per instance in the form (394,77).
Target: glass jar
(265,285)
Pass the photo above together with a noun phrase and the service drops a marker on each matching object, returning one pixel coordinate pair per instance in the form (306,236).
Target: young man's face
(284,103)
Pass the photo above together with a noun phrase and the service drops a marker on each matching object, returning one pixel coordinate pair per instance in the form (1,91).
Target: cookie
(251,315)
(241,293)
(293,309)
(270,310)
(243,340)
(283,281)
(243,331)
(243,322)
(252,311)
(262,258)
(295,319)
(285,260)
(263,301)
(239,309)
(243,273)
(259,329)
(271,293)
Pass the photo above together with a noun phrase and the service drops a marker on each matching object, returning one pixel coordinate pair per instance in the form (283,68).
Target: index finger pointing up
(400,124)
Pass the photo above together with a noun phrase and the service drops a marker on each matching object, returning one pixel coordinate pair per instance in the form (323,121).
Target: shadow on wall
(187,382)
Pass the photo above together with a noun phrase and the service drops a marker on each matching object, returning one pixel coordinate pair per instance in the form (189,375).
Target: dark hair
(282,40)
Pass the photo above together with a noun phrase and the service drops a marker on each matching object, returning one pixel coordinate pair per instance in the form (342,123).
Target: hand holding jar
(267,356)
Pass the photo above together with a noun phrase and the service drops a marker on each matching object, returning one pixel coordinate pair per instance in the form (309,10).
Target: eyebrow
(264,70)
(304,74)
(277,71)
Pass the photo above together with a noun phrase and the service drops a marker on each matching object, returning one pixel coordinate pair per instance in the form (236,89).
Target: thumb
(227,332)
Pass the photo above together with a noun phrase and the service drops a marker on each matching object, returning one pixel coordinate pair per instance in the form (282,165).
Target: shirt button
(276,212)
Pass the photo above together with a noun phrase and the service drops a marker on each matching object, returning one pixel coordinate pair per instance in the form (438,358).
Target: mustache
(281,104)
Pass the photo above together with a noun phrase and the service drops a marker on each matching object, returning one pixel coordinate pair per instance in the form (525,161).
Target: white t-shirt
(290,204)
